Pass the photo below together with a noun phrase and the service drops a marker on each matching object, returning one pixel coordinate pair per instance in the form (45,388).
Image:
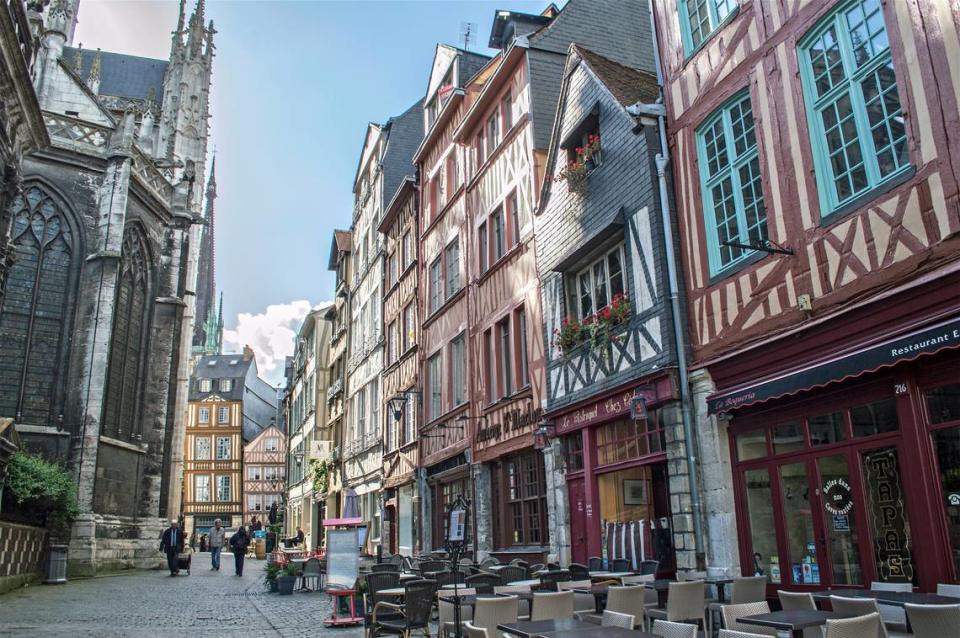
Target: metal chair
(311,573)
(511,574)
(491,612)
(384,567)
(948,590)
(684,602)
(484,583)
(616,619)
(854,627)
(552,605)
(595,563)
(578,571)
(667,629)
(414,613)
(549,580)
(893,617)
(620,565)
(858,607)
(731,613)
(933,621)
(649,566)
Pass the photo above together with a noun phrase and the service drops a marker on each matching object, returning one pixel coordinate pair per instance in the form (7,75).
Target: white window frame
(435,380)
(221,484)
(458,369)
(272,444)
(205,385)
(589,271)
(254,473)
(223,415)
(203,415)
(226,385)
(197,454)
(201,488)
(220,440)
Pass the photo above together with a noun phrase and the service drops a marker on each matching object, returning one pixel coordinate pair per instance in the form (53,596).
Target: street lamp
(542,435)
(638,402)
(398,403)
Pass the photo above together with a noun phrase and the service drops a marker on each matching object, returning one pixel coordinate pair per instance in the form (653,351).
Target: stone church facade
(96,322)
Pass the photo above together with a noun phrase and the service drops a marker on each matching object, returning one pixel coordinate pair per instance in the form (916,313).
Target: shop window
(526,499)
(762,525)
(798,521)
(943,404)
(627,439)
(447,493)
(751,445)
(947,443)
(878,417)
(788,437)
(573,451)
(826,428)
(892,546)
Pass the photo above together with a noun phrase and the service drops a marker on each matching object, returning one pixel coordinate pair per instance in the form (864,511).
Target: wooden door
(578,521)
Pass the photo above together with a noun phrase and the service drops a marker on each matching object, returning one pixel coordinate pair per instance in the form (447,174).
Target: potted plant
(575,172)
(273,533)
(271,572)
(361,587)
(286,579)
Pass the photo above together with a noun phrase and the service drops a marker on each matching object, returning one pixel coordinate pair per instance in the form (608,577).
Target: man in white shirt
(217,537)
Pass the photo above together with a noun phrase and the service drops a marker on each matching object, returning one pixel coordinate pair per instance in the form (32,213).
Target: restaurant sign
(511,423)
(604,410)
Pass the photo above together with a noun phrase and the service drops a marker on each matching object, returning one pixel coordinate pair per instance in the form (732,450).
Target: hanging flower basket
(575,172)
(596,330)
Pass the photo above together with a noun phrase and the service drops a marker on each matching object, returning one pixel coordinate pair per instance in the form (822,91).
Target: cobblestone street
(151,603)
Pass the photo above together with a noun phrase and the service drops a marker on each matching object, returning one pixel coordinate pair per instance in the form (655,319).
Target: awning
(849,365)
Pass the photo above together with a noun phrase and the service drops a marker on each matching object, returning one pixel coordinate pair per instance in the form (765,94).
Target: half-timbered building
(340,263)
(814,153)
(610,398)
(265,477)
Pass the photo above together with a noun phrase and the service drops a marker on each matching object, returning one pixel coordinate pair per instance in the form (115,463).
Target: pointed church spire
(212,182)
(183,16)
(93,80)
(78,60)
(196,35)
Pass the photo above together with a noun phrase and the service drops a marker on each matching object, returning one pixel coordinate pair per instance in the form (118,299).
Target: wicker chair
(796,601)
(549,580)
(384,567)
(533,569)
(667,629)
(552,605)
(649,566)
(953,591)
(731,613)
(397,560)
(511,574)
(446,621)
(684,602)
(578,571)
(376,582)
(312,573)
(519,562)
(472,631)
(582,603)
(491,612)
(432,567)
(623,599)
(484,583)
(620,565)
(933,621)
(616,619)
(747,589)
(854,627)
(449,578)
(523,611)
(595,563)
(858,607)
(414,613)
(489,561)
(893,617)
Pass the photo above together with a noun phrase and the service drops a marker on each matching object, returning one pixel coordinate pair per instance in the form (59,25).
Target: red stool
(335,619)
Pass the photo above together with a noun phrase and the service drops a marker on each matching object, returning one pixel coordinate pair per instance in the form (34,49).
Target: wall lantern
(542,435)
(397,403)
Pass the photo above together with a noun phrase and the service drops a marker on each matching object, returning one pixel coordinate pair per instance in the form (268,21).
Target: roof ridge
(576,46)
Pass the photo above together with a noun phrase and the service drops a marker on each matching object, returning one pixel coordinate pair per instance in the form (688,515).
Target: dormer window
(226,385)
(205,385)
(582,144)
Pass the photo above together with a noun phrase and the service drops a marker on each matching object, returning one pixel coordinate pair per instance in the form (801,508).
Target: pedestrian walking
(239,543)
(217,536)
(256,525)
(171,543)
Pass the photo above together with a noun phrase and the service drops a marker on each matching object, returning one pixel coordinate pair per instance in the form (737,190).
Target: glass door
(803,560)
(840,510)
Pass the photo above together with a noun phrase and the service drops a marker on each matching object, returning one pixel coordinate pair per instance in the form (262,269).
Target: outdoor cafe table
(531,628)
(529,583)
(408,576)
(605,574)
(893,598)
(794,621)
(599,594)
(470,600)
(597,631)
(392,591)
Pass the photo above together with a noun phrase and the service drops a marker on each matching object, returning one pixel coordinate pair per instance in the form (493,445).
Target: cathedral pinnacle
(78,60)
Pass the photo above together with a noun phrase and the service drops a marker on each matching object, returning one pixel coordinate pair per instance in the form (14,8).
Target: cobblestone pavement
(151,603)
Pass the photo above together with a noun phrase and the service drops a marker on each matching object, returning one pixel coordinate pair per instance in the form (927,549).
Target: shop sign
(837,497)
(953,499)
(888,518)
(514,421)
(841,523)
(611,408)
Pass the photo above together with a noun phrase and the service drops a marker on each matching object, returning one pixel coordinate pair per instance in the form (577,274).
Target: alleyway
(151,603)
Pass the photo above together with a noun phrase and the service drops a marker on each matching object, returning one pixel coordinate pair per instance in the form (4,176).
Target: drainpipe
(663,159)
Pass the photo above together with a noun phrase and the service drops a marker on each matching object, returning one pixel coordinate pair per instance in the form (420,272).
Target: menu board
(342,558)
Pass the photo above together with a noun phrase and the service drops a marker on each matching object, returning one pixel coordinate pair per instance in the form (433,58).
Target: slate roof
(470,65)
(341,242)
(628,85)
(121,75)
(218,366)
(406,132)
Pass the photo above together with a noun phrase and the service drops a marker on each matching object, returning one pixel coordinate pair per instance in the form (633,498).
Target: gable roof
(627,85)
(342,243)
(121,75)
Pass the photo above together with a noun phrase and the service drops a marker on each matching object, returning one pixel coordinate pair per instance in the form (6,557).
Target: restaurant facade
(820,259)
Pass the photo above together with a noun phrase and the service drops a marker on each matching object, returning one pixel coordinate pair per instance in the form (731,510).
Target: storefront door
(578,521)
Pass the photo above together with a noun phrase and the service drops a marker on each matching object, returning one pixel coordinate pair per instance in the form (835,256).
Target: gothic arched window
(128,345)
(37,309)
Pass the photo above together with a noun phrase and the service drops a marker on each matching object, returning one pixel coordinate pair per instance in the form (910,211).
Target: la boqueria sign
(925,342)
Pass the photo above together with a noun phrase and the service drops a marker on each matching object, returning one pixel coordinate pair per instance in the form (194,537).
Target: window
(598,283)
(730,182)
(524,487)
(506,112)
(878,417)
(223,415)
(700,18)
(506,360)
(223,488)
(491,370)
(453,268)
(223,448)
(492,133)
(514,212)
(272,444)
(254,502)
(203,415)
(226,385)
(201,448)
(520,321)
(205,385)
(628,439)
(391,349)
(201,488)
(254,472)
(436,283)
(272,473)
(435,379)
(451,174)
(406,250)
(857,128)
(409,330)
(573,451)
(360,409)
(499,234)
(478,153)
(483,253)
(391,269)
(374,393)
(409,421)
(433,190)
(458,361)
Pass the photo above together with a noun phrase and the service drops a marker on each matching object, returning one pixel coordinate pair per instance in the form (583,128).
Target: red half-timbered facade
(814,156)
(265,474)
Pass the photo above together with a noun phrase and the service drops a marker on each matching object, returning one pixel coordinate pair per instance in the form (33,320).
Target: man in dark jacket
(171,542)
(238,544)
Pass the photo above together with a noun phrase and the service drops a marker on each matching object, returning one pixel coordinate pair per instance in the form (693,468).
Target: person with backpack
(238,544)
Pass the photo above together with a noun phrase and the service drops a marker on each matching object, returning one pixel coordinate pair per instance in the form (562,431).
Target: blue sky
(294,86)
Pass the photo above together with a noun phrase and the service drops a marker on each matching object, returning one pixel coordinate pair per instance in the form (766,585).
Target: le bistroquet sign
(604,410)
(927,341)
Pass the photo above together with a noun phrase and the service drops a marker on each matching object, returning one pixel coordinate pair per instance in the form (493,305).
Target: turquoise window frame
(850,85)
(715,21)
(707,182)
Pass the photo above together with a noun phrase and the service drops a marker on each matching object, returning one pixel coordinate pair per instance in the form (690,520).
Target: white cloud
(270,333)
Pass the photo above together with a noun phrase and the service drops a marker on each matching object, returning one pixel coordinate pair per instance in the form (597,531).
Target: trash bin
(56,564)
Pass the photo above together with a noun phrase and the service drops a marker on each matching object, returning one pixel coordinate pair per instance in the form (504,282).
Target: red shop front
(616,474)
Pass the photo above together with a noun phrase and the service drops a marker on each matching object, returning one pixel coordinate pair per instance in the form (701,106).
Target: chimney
(247,353)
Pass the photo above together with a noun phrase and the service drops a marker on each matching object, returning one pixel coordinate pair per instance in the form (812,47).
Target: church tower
(183,130)
(206,268)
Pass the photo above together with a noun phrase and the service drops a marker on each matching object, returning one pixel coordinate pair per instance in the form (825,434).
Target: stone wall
(22,550)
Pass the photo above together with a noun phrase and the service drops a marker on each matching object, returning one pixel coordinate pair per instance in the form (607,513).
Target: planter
(285,585)
(274,586)
(259,550)
(56,565)
(271,542)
